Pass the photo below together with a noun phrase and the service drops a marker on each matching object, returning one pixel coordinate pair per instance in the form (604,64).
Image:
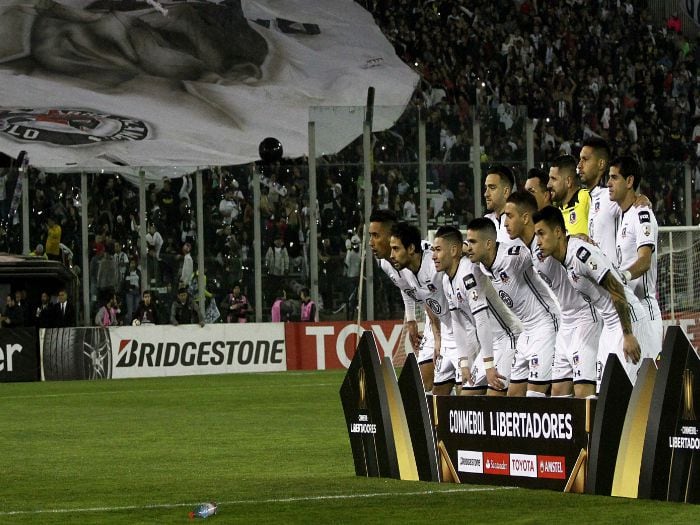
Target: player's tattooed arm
(617,294)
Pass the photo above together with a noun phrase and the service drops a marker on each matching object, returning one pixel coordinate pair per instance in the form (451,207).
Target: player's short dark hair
(524,200)
(304,290)
(484,226)
(407,234)
(551,216)
(450,234)
(536,173)
(384,216)
(599,146)
(504,172)
(566,163)
(629,167)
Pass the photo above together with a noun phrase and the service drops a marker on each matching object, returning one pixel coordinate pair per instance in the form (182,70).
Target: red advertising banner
(328,345)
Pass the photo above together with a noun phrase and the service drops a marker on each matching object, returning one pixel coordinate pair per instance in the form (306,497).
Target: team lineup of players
(541,290)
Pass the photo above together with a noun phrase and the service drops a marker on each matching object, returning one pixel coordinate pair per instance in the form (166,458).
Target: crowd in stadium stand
(577,68)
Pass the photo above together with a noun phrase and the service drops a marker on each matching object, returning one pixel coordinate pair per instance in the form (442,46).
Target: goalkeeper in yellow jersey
(568,195)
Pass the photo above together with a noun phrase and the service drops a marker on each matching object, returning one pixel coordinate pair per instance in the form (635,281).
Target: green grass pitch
(269,448)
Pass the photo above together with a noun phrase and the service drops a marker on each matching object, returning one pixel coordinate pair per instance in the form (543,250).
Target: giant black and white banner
(108,83)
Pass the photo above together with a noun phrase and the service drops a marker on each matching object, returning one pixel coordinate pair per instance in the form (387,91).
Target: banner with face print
(108,83)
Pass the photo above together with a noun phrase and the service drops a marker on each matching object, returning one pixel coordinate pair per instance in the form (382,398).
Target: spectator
(107,273)
(184,310)
(277,264)
(132,288)
(12,314)
(108,313)
(280,310)
(236,306)
(308,307)
(154,239)
(53,239)
(146,313)
(38,252)
(187,268)
(63,312)
(42,315)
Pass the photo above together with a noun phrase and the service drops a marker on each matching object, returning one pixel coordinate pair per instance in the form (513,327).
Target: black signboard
(526,442)
(19,355)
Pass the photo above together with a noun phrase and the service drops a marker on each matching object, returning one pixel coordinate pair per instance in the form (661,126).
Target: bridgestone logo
(132,353)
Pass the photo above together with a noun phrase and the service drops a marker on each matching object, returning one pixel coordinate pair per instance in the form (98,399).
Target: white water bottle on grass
(204,510)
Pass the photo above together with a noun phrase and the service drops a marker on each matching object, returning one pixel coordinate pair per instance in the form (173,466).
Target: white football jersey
(586,267)
(396,278)
(500,222)
(638,228)
(576,307)
(521,288)
(425,286)
(603,219)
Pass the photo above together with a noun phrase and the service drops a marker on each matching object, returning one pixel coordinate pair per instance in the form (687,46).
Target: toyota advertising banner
(156,351)
(328,345)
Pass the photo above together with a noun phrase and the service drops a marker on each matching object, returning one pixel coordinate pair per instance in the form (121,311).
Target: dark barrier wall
(19,355)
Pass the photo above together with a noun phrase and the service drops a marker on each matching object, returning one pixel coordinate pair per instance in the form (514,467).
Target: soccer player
(467,290)
(603,214)
(380,224)
(536,184)
(510,269)
(577,340)
(568,195)
(637,239)
(625,321)
(499,183)
(414,261)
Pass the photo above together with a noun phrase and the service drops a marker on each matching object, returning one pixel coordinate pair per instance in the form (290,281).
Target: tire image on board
(77,353)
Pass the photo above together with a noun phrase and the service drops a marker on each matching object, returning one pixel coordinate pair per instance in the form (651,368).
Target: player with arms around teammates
(414,261)
(479,318)
(510,269)
(625,321)
(576,349)
(637,240)
(380,224)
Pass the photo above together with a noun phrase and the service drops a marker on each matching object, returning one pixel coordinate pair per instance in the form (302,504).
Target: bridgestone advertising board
(156,351)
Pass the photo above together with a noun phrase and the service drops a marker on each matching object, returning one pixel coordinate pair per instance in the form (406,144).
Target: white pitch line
(253,502)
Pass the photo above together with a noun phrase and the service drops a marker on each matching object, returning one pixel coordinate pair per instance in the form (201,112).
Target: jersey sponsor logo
(572,217)
(505,298)
(551,467)
(469,281)
(523,465)
(582,254)
(496,463)
(644,216)
(504,277)
(434,306)
(470,461)
(514,250)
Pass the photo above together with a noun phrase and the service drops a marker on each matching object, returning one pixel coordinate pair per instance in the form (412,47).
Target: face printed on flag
(192,82)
